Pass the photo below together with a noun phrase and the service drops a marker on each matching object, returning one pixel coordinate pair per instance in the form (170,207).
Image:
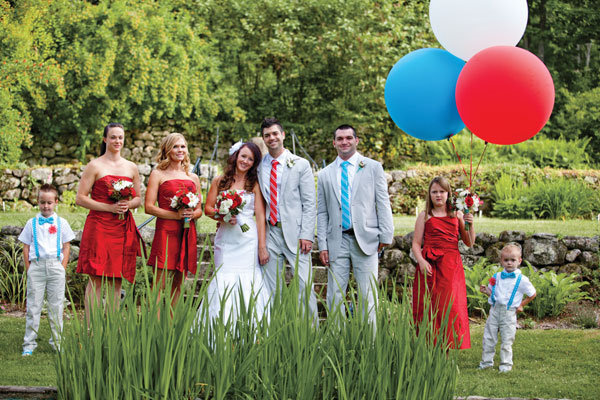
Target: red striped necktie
(273,193)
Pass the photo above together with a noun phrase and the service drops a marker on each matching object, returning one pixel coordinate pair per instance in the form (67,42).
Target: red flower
(469,201)
(185,200)
(493,281)
(52,229)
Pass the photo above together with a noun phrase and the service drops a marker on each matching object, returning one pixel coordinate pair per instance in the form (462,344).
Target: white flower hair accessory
(235,147)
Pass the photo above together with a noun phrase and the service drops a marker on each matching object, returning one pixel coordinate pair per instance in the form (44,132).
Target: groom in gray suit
(354,220)
(288,186)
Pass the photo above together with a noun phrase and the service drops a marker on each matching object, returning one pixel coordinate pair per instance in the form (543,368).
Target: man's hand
(305,246)
(382,246)
(324,257)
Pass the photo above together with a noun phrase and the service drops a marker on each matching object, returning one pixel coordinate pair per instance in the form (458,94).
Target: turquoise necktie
(346,221)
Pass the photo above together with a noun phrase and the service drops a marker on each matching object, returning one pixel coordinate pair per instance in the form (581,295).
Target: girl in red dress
(174,247)
(110,241)
(440,277)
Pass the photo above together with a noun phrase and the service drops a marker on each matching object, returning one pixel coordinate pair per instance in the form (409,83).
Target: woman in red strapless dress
(110,241)
(174,246)
(440,277)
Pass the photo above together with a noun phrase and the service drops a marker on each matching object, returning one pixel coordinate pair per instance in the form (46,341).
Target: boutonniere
(52,229)
(493,281)
(361,165)
(290,162)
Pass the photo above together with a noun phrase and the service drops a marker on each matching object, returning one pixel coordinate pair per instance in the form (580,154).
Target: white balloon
(465,27)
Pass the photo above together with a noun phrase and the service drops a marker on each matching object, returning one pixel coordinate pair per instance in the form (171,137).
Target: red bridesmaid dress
(446,284)
(173,247)
(109,245)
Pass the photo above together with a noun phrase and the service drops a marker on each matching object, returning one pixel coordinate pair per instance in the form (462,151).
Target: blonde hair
(512,247)
(166,145)
(443,182)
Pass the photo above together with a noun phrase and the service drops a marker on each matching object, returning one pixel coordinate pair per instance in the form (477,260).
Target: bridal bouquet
(230,203)
(466,202)
(119,190)
(184,198)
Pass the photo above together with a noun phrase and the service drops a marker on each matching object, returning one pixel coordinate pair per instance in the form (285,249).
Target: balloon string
(459,160)
(471,164)
(480,158)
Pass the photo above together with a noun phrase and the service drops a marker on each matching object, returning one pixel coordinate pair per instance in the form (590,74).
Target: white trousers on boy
(505,322)
(47,277)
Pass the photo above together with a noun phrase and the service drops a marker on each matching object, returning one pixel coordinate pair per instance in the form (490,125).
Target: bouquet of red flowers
(230,203)
(184,198)
(466,202)
(119,190)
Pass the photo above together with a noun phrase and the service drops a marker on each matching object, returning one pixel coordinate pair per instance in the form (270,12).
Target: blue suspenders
(512,296)
(35,241)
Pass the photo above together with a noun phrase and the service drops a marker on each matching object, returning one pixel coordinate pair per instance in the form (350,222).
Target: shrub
(554,291)
(475,276)
(548,199)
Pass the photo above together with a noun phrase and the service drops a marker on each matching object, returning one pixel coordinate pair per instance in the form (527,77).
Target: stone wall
(18,187)
(569,254)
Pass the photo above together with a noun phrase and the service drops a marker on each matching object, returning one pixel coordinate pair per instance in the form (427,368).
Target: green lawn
(548,363)
(403,224)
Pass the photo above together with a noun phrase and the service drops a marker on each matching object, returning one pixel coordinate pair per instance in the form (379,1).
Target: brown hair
(251,176)
(105,135)
(166,145)
(443,182)
(47,187)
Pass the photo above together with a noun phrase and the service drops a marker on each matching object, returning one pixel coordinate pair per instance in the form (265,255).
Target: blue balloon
(419,94)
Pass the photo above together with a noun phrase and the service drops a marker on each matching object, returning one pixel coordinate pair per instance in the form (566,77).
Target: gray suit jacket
(372,219)
(296,202)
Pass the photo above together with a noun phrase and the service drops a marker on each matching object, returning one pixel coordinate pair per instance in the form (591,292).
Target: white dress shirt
(504,289)
(266,175)
(46,240)
(352,168)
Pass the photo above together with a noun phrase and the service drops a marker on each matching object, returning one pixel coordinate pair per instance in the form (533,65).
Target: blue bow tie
(506,275)
(49,220)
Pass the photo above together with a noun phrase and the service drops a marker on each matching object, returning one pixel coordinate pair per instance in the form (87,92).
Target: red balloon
(504,94)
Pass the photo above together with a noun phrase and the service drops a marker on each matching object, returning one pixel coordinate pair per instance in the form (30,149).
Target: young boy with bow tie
(46,249)
(506,290)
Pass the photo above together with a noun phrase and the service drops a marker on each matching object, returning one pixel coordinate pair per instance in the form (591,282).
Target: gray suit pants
(365,272)
(275,268)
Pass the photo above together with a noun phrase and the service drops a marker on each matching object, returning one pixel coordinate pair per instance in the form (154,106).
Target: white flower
(235,147)
(174,201)
(225,206)
(193,200)
(290,162)
(120,185)
(227,218)
(460,203)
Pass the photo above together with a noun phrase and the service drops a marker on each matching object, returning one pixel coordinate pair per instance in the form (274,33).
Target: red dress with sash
(446,286)
(173,247)
(109,245)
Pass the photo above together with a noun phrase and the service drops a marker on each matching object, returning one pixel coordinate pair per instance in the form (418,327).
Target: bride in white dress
(237,253)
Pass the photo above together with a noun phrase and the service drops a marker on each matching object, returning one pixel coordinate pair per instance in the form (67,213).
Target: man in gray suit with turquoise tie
(288,186)
(354,220)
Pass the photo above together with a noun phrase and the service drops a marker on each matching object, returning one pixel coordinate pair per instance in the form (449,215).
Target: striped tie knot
(346,220)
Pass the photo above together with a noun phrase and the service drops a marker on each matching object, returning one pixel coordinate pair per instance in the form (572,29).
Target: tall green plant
(131,353)
(13,278)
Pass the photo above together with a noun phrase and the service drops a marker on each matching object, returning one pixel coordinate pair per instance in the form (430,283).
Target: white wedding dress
(238,272)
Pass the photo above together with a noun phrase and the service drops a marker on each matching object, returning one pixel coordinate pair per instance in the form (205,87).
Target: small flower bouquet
(466,202)
(493,281)
(184,198)
(119,190)
(230,203)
